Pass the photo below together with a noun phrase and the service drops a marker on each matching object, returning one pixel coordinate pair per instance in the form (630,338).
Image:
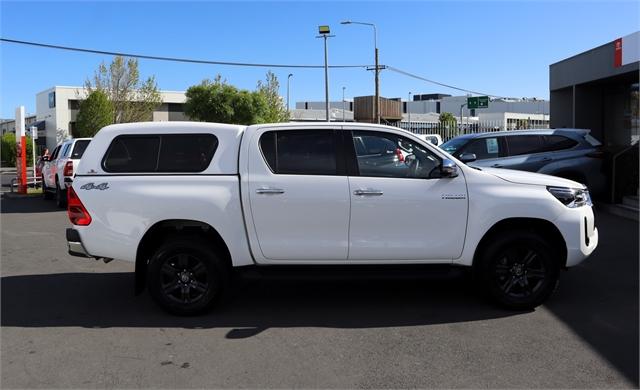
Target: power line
(391,68)
(173,59)
(208,62)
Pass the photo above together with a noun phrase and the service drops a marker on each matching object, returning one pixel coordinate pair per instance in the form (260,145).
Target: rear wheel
(186,277)
(45,191)
(519,270)
(61,196)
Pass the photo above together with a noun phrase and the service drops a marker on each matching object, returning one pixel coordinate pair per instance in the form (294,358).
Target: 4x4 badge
(91,186)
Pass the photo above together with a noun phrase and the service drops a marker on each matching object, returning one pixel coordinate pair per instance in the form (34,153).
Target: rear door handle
(368,192)
(269,191)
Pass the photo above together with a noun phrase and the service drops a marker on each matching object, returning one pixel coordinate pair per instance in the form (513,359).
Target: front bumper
(580,233)
(74,243)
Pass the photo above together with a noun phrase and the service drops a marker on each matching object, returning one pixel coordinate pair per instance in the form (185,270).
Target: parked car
(569,153)
(191,203)
(57,171)
(433,138)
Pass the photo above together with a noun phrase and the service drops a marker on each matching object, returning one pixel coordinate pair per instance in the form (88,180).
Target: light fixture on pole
(343,88)
(409,112)
(288,77)
(324,33)
(376,103)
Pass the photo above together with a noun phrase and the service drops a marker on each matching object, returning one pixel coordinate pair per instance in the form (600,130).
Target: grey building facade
(598,90)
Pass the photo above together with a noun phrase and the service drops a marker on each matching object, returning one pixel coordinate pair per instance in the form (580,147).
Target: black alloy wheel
(519,272)
(186,276)
(519,269)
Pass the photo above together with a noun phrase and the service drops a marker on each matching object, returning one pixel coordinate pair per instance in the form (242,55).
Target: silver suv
(569,153)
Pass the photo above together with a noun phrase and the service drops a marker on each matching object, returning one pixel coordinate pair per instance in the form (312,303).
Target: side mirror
(468,157)
(448,169)
(45,158)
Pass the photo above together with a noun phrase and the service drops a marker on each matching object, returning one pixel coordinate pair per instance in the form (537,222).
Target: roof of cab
(177,126)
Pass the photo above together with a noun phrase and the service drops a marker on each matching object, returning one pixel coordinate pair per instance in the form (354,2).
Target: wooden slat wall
(363,109)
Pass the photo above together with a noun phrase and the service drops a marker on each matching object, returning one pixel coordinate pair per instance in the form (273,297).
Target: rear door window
(79,148)
(525,144)
(300,152)
(160,153)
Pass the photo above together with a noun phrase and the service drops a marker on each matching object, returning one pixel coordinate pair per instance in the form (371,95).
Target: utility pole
(324,33)
(376,108)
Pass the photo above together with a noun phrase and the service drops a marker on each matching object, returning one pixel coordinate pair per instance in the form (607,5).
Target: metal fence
(451,130)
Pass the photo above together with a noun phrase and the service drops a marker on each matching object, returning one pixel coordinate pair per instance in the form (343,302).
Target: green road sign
(478,102)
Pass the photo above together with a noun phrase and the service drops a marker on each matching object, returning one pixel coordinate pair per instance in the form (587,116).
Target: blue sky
(502,48)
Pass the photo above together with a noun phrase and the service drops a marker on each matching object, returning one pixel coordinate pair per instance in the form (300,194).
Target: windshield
(452,146)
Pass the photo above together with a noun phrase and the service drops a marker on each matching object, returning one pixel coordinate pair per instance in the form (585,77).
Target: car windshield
(453,145)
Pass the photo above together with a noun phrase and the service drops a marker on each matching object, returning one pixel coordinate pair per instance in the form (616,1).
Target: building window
(74,104)
(175,107)
(52,99)
(438,107)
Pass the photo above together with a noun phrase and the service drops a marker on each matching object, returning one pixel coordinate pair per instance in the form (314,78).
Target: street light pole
(409,112)
(461,107)
(324,33)
(376,103)
(343,88)
(288,77)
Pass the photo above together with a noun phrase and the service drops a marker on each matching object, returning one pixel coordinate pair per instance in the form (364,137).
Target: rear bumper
(74,244)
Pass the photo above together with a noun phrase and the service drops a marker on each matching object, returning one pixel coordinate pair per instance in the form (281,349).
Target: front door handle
(368,192)
(496,166)
(269,191)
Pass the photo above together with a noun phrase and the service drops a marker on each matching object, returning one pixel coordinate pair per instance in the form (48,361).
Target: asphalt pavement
(72,322)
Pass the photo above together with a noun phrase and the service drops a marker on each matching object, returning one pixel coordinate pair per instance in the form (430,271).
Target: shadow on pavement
(96,300)
(598,299)
(28,204)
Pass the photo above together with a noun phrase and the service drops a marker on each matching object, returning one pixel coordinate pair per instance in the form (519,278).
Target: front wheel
(186,276)
(519,270)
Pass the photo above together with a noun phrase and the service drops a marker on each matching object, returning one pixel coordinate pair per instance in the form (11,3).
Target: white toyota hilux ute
(193,203)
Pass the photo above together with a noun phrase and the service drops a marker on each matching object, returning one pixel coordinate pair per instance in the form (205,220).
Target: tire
(45,191)
(519,270)
(186,277)
(61,197)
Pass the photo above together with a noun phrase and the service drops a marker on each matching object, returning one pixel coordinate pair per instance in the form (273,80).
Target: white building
(57,109)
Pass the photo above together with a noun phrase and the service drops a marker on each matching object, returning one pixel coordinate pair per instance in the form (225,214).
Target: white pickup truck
(190,202)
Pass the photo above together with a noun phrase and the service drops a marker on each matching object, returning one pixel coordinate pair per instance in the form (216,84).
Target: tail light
(68,168)
(78,214)
(400,155)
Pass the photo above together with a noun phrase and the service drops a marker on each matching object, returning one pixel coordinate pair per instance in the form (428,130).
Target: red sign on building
(617,54)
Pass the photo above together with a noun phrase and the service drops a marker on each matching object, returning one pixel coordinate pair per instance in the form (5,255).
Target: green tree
(276,111)
(133,100)
(217,101)
(447,119)
(95,113)
(8,150)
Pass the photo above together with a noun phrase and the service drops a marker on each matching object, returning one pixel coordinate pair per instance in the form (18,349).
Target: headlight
(571,197)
